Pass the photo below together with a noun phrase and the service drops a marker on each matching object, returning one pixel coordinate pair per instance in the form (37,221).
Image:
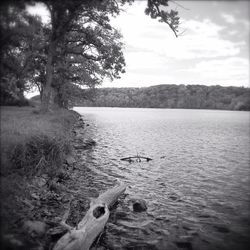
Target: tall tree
(65,13)
(88,54)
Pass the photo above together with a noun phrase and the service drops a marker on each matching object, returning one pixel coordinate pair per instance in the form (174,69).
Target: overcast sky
(214,48)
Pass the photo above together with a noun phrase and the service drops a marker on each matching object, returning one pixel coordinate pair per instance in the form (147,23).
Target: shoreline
(174,109)
(33,207)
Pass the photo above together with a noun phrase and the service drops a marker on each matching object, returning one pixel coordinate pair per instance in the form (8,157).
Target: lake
(196,187)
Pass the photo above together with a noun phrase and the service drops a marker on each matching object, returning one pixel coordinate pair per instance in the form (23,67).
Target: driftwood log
(93,223)
(136,158)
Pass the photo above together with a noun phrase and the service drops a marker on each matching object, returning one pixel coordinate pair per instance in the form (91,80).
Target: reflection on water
(196,187)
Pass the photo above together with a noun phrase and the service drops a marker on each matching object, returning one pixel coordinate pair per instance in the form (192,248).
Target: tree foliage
(87,55)
(73,18)
(19,41)
(78,48)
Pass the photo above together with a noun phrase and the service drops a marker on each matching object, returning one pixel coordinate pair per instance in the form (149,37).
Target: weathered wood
(110,196)
(82,237)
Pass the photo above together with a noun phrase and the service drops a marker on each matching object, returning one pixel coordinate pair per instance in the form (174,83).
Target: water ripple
(196,188)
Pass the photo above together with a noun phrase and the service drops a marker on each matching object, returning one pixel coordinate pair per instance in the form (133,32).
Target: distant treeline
(172,96)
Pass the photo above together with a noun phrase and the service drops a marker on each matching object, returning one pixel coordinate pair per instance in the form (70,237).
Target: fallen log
(82,236)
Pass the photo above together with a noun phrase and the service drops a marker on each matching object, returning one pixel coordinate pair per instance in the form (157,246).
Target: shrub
(40,154)
(17,156)
(14,101)
(36,111)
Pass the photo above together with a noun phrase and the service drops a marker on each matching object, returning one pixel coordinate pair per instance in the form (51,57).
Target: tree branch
(179,5)
(164,19)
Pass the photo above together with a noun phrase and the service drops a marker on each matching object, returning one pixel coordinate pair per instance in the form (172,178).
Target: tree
(66,15)
(88,54)
(18,47)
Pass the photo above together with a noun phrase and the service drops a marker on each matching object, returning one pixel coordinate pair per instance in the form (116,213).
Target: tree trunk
(59,96)
(49,77)
(94,221)
(56,98)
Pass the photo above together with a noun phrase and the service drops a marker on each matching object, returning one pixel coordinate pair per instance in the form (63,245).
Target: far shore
(213,110)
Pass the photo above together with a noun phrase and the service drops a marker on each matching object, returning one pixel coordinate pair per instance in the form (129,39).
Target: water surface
(196,187)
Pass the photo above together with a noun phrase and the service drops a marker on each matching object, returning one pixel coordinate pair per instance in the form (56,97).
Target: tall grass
(34,142)
(40,154)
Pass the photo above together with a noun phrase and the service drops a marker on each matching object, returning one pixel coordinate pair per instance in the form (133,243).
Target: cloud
(145,60)
(231,71)
(141,79)
(246,24)
(205,54)
(228,18)
(237,26)
(201,38)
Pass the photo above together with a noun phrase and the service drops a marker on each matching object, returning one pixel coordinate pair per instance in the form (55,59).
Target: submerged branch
(137,158)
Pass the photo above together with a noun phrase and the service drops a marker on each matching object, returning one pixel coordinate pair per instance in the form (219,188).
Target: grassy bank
(21,125)
(32,145)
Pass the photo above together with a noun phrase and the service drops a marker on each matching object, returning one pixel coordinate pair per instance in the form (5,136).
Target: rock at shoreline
(9,241)
(70,160)
(139,205)
(85,145)
(35,227)
(39,181)
(79,124)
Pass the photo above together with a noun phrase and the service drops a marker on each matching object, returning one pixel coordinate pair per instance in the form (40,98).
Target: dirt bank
(34,204)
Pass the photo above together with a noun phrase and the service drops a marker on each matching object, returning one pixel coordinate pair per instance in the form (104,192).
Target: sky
(213,48)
